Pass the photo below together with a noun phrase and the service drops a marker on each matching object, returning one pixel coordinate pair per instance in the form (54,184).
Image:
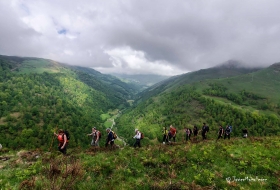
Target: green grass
(227,164)
(38,66)
(265,82)
(108,123)
(105,116)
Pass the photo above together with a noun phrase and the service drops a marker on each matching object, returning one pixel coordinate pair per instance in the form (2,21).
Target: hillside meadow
(238,163)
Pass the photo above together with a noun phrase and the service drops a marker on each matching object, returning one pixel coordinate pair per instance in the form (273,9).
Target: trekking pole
(52,140)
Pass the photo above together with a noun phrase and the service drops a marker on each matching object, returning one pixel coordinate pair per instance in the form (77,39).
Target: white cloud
(160,36)
(126,60)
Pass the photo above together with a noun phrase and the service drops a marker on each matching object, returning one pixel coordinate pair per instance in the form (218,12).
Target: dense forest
(34,104)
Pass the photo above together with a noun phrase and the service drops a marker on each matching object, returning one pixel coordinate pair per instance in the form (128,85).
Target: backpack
(230,127)
(99,134)
(67,134)
(142,136)
(114,135)
(173,130)
(207,128)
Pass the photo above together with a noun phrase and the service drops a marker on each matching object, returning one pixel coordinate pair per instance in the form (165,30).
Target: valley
(38,96)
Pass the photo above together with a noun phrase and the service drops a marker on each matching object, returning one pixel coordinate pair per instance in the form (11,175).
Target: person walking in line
(188,134)
(195,132)
(172,133)
(227,132)
(245,133)
(220,132)
(204,130)
(110,138)
(165,135)
(63,142)
(137,138)
(95,137)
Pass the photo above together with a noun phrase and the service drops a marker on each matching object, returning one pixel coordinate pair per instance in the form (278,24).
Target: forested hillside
(244,101)
(38,96)
(225,70)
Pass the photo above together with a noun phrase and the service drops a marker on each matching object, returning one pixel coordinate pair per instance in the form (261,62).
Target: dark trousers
(63,151)
(203,135)
(220,136)
(165,138)
(188,137)
(174,137)
(137,143)
(227,136)
(111,143)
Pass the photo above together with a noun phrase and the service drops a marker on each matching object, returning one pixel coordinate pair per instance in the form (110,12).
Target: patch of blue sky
(62,31)
(24,8)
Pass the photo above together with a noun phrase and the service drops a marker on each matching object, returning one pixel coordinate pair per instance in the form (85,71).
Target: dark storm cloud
(138,36)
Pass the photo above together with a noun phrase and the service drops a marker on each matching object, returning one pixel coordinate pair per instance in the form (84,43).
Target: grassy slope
(203,165)
(192,77)
(265,82)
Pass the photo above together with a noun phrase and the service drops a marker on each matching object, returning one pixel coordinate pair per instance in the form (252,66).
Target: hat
(136,130)
(60,131)
(94,127)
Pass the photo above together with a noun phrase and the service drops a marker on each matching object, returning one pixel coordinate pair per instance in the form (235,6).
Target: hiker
(137,137)
(172,133)
(188,134)
(110,138)
(63,142)
(227,132)
(165,135)
(95,137)
(220,132)
(245,133)
(195,132)
(205,130)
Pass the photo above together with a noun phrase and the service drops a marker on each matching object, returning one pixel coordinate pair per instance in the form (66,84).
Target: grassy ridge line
(204,165)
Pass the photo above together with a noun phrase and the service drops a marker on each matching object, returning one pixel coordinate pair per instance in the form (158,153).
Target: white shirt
(138,135)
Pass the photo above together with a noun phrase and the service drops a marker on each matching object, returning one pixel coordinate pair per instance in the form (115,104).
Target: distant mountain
(224,70)
(144,81)
(123,88)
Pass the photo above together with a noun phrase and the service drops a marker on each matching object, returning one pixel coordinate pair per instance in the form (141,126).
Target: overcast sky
(166,37)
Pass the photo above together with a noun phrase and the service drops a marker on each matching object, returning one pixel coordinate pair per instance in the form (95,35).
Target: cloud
(126,60)
(160,36)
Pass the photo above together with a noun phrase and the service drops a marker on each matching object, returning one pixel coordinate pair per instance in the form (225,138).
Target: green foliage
(34,104)
(185,107)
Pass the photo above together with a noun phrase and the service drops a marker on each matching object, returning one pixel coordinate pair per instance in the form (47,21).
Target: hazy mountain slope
(116,84)
(144,81)
(265,82)
(227,69)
